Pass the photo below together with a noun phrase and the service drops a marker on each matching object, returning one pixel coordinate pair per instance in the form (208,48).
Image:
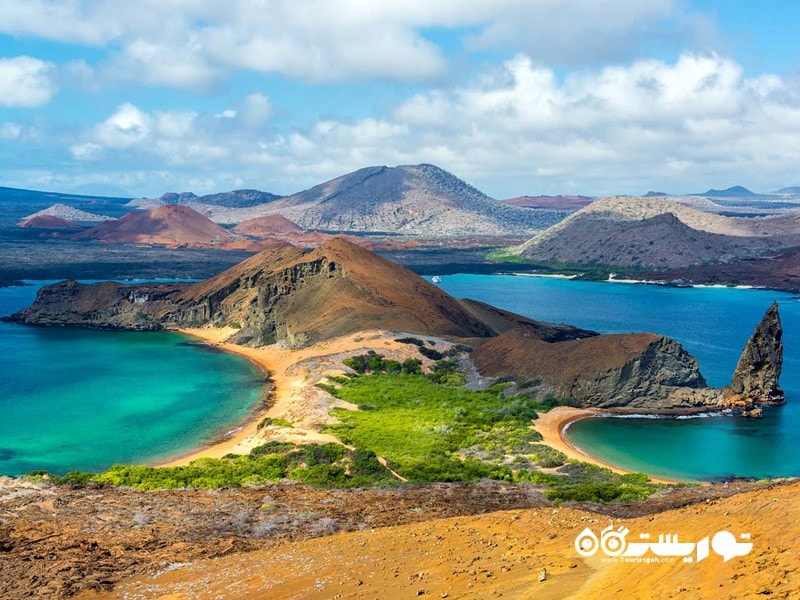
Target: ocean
(713,324)
(84,399)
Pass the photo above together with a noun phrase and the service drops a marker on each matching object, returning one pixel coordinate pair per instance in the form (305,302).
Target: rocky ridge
(621,371)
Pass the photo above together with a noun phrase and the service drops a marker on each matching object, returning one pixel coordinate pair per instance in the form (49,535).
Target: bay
(75,398)
(713,324)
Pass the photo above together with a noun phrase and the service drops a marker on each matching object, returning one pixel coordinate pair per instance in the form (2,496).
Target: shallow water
(83,399)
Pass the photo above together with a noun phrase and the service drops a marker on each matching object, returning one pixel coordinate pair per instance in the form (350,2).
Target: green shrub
(74,478)
(599,492)
(267,421)
(322,475)
(410,340)
(269,448)
(431,353)
(322,454)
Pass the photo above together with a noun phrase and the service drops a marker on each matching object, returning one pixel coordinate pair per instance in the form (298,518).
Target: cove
(83,399)
(713,324)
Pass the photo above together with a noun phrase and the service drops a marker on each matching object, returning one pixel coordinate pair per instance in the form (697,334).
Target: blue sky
(515,96)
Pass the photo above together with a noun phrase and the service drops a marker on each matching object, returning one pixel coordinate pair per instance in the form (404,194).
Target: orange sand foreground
(503,554)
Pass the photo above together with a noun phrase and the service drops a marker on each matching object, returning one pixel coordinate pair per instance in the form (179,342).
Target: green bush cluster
(267,421)
(445,372)
(372,362)
(431,353)
(328,465)
(420,426)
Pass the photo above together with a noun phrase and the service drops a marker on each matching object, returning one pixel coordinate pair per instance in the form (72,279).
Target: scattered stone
(543,575)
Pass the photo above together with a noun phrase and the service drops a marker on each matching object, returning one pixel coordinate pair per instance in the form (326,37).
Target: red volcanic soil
(168,225)
(47,222)
(550,202)
(268,226)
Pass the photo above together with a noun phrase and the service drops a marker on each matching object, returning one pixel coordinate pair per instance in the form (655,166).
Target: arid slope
(170,225)
(656,233)
(504,553)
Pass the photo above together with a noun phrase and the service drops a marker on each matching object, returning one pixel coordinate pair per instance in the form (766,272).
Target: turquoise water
(714,325)
(84,399)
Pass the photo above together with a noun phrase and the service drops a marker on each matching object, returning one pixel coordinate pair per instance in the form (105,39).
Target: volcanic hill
(268,226)
(170,225)
(47,222)
(656,233)
(69,213)
(411,199)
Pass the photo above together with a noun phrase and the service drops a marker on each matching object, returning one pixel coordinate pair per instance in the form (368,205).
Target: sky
(517,97)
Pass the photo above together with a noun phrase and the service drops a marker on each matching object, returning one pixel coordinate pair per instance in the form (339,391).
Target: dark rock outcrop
(755,380)
(638,371)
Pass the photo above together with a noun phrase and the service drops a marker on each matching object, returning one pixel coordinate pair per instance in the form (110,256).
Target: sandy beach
(552,425)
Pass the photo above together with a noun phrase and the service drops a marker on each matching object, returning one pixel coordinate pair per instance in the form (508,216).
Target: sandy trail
(294,374)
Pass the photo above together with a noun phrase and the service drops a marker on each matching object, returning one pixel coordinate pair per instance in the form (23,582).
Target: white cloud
(256,110)
(9,131)
(25,82)
(199,44)
(520,128)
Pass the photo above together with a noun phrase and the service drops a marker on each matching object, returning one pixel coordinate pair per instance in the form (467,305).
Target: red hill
(168,225)
(268,226)
(47,222)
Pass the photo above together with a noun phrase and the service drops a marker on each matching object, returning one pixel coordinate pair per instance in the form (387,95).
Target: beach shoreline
(553,424)
(289,397)
(241,436)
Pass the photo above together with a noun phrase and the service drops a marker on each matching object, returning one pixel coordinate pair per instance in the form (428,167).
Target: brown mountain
(169,225)
(268,226)
(280,295)
(47,222)
(653,233)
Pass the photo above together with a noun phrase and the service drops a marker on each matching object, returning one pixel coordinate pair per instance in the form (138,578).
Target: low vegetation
(431,431)
(427,427)
(271,421)
(330,465)
(582,271)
